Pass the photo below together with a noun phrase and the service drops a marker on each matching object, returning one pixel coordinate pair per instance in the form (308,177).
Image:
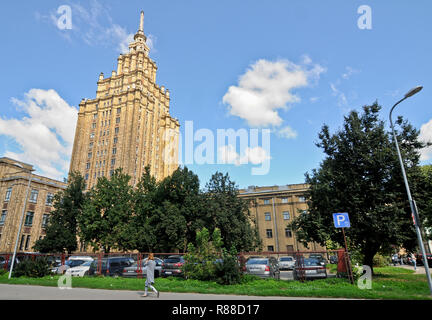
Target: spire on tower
(141,27)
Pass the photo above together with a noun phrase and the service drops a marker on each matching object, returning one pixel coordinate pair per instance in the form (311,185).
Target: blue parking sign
(341,220)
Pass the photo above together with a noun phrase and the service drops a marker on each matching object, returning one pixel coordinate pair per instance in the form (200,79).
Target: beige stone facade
(14,182)
(128,125)
(273,208)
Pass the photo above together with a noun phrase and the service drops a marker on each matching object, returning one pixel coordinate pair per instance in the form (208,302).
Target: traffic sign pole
(350,275)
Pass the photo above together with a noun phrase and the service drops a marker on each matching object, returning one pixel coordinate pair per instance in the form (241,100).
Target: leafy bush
(210,262)
(228,269)
(36,268)
(381,261)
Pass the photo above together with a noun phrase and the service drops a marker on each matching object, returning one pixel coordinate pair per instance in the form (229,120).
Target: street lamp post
(21,222)
(410,199)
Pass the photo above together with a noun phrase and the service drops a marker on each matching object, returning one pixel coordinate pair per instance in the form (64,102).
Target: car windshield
(74,262)
(173,260)
(286,259)
(257,261)
(311,262)
(87,264)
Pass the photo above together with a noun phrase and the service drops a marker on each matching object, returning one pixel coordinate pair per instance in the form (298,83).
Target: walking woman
(150,264)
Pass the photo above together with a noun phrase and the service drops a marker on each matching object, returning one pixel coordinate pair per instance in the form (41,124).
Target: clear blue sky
(306,63)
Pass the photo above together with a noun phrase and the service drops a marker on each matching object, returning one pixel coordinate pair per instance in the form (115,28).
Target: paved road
(23,292)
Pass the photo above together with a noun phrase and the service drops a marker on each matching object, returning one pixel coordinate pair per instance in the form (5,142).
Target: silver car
(286,263)
(310,269)
(263,267)
(133,270)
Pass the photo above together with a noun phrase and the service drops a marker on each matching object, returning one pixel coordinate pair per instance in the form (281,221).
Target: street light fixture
(22,218)
(410,199)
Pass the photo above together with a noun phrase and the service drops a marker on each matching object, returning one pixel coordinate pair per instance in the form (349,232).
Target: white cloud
(256,155)
(342,100)
(267,87)
(94,25)
(45,135)
(426,136)
(349,72)
(287,132)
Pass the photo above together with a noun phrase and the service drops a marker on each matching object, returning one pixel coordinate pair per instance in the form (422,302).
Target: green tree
(61,231)
(230,214)
(361,175)
(107,213)
(201,258)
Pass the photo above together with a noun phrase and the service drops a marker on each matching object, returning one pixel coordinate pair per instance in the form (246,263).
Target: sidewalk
(420,269)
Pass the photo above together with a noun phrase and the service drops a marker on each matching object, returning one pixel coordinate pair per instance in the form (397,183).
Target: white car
(286,263)
(79,271)
(73,262)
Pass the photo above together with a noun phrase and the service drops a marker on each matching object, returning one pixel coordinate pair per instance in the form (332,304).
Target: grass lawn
(388,283)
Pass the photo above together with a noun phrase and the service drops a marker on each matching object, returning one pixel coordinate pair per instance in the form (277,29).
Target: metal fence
(301,270)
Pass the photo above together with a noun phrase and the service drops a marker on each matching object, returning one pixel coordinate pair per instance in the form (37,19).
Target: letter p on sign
(341,220)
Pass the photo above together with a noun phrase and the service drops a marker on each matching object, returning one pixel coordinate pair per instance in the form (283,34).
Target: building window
(267,216)
(45,220)
(284,200)
(88,165)
(49,199)
(34,195)
(286,215)
(92,135)
(288,233)
(3,217)
(301,199)
(290,248)
(117,120)
(29,219)
(114,151)
(87,176)
(113,161)
(27,243)
(94,125)
(95,115)
(266,201)
(116,130)
(115,140)
(22,242)
(270,248)
(118,110)
(269,233)
(8,194)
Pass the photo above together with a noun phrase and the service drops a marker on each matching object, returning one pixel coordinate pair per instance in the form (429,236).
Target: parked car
(132,271)
(319,257)
(333,259)
(79,271)
(310,269)
(5,260)
(112,266)
(172,266)
(72,262)
(419,259)
(264,267)
(286,263)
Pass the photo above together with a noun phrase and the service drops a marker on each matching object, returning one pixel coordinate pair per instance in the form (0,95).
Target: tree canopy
(361,175)
(61,231)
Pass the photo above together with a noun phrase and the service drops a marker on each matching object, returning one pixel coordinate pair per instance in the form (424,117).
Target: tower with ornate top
(128,125)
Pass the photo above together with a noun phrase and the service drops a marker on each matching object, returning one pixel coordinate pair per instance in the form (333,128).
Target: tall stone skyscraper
(128,125)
